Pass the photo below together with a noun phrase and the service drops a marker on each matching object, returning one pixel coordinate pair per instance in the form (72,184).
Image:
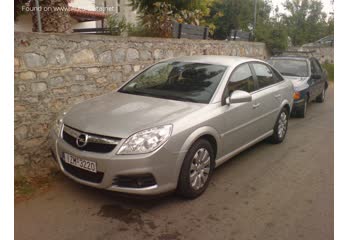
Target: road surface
(268,192)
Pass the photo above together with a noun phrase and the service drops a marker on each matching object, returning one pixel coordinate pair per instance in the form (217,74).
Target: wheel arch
(286,104)
(206,132)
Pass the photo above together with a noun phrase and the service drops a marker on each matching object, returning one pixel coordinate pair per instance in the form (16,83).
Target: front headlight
(57,126)
(146,141)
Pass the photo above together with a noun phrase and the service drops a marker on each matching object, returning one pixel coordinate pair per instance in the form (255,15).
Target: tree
(54,14)
(18,8)
(273,32)
(237,14)
(148,5)
(158,20)
(305,20)
(55,18)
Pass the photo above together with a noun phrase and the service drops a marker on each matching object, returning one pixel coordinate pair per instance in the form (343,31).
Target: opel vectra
(169,126)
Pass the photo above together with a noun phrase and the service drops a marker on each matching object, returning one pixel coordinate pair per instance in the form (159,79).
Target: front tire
(196,170)
(301,112)
(281,127)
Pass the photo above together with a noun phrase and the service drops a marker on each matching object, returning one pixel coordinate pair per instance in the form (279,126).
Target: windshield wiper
(187,99)
(138,93)
(160,96)
(289,74)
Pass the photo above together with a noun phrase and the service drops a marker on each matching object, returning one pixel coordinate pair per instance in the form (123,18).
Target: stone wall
(323,54)
(54,71)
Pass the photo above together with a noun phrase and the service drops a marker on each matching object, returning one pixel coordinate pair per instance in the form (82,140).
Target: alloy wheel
(200,168)
(282,125)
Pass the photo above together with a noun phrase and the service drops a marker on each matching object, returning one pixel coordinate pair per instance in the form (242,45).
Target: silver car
(169,126)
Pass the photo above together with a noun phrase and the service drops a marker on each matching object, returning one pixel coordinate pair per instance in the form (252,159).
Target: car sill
(223,159)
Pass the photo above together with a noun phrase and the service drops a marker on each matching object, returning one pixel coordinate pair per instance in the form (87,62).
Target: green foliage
(236,14)
(117,25)
(274,35)
(112,22)
(148,5)
(158,21)
(190,17)
(329,67)
(305,21)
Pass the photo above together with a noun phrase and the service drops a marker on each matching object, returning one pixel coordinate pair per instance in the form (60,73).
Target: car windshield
(183,81)
(290,67)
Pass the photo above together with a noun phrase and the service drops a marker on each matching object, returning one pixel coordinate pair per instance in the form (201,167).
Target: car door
(315,83)
(323,79)
(267,98)
(239,127)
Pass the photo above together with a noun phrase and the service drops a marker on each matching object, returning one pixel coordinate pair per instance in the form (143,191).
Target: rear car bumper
(143,174)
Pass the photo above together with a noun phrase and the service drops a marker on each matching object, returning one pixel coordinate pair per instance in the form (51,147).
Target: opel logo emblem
(82,140)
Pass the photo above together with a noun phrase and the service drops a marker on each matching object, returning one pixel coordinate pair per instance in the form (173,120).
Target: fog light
(135,181)
(296,95)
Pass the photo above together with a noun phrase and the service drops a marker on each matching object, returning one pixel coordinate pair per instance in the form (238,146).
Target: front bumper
(298,104)
(161,163)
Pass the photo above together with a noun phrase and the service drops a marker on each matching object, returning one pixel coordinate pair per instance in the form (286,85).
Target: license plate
(80,163)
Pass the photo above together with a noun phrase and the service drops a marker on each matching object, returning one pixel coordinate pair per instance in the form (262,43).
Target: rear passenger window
(242,79)
(263,74)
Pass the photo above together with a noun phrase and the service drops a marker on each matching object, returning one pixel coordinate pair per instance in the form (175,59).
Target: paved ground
(267,192)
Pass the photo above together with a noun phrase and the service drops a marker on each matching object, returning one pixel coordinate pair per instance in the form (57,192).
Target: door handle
(256,105)
(278,96)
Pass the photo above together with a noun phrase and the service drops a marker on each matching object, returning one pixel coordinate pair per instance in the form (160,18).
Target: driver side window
(315,68)
(241,79)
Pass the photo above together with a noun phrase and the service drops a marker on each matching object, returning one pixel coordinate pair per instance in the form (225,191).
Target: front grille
(95,143)
(134,181)
(83,174)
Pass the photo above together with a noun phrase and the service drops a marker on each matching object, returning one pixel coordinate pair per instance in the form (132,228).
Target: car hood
(297,81)
(120,114)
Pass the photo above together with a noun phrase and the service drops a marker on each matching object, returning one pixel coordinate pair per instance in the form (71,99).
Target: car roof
(292,57)
(215,59)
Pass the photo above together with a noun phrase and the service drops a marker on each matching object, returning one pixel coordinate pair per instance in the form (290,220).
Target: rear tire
(281,127)
(320,98)
(196,170)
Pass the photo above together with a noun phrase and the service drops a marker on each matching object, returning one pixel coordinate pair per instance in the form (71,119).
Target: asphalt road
(267,192)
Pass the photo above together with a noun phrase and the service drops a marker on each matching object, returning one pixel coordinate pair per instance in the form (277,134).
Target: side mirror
(239,96)
(316,76)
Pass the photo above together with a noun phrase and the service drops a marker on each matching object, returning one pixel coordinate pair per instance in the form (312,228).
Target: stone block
(83,56)
(132,55)
(57,57)
(39,87)
(33,60)
(27,75)
(105,57)
(119,55)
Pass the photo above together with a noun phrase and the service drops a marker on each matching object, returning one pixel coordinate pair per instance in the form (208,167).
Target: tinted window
(278,77)
(263,74)
(241,79)
(318,65)
(290,67)
(315,68)
(184,81)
